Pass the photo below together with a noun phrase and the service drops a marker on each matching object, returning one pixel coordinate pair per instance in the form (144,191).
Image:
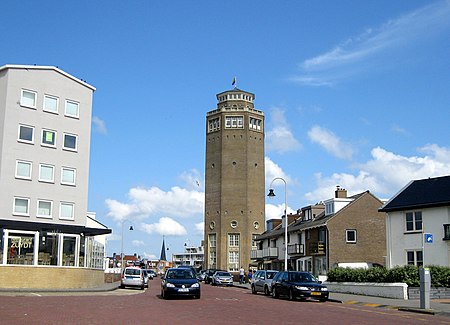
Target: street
(218,305)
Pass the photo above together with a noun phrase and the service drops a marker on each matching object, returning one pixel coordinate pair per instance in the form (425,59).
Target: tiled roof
(423,193)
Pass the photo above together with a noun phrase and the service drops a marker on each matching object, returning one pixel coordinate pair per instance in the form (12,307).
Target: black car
(180,282)
(295,284)
(209,274)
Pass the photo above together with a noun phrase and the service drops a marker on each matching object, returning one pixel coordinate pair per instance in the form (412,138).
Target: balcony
(296,249)
(270,252)
(446,232)
(317,248)
(256,254)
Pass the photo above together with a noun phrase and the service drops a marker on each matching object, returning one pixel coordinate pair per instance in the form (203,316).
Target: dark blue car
(295,284)
(180,282)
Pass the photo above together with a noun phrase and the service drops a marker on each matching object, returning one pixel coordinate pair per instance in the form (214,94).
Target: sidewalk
(438,306)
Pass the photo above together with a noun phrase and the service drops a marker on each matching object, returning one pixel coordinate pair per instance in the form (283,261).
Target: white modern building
(418,224)
(193,256)
(45,130)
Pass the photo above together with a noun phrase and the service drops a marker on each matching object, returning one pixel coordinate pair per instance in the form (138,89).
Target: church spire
(163,252)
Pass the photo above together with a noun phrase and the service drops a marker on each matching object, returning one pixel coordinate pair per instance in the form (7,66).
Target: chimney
(340,193)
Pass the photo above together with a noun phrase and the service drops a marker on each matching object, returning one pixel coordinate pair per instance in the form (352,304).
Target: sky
(355,93)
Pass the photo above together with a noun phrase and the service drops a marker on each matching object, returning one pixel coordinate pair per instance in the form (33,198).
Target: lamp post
(271,195)
(121,247)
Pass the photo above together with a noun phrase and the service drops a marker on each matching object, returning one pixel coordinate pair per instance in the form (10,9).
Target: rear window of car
(132,271)
(270,275)
(223,274)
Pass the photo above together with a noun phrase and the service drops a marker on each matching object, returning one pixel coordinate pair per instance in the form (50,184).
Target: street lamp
(271,195)
(121,247)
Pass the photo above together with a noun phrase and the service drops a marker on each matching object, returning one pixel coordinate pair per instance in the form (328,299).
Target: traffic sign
(429,238)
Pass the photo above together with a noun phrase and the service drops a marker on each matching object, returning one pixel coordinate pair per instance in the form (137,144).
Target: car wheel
(266,290)
(291,294)
(142,287)
(253,289)
(122,286)
(275,293)
(323,299)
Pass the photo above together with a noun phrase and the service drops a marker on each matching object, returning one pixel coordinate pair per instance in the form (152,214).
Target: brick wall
(32,277)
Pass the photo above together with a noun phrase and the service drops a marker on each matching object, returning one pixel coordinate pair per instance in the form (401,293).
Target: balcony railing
(447,231)
(296,249)
(270,252)
(317,248)
(256,254)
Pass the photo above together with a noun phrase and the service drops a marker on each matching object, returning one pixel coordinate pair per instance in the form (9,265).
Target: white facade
(45,130)
(400,241)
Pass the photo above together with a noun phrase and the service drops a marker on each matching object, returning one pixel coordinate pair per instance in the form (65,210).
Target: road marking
(36,294)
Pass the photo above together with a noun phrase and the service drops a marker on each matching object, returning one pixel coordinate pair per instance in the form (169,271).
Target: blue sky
(355,93)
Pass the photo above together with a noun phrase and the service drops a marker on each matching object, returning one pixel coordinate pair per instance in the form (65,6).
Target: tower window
(234,122)
(214,124)
(255,124)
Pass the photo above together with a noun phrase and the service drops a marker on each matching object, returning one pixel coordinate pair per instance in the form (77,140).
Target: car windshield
(302,277)
(180,274)
(223,274)
(270,275)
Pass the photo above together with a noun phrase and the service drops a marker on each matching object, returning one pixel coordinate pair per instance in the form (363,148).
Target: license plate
(315,293)
(183,290)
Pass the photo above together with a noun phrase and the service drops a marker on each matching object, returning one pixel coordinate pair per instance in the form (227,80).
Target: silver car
(133,277)
(262,281)
(222,278)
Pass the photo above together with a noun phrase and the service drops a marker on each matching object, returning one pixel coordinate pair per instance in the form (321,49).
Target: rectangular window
(233,240)
(233,257)
(21,206)
(234,122)
(46,173)
(72,109)
(51,104)
(414,258)
(70,142)
(350,236)
(68,176)
(66,211)
(413,221)
(44,209)
(214,124)
(255,124)
(212,240)
(28,98)
(26,133)
(23,169)
(48,138)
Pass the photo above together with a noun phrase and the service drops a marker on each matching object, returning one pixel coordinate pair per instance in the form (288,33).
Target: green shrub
(409,274)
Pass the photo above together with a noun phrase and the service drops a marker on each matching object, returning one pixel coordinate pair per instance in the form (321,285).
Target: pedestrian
(250,275)
(241,275)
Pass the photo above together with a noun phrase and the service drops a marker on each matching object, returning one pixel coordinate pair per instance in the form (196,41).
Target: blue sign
(429,238)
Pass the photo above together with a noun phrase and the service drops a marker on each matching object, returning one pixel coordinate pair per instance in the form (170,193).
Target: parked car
(133,276)
(209,274)
(180,282)
(201,276)
(262,281)
(151,274)
(295,284)
(222,278)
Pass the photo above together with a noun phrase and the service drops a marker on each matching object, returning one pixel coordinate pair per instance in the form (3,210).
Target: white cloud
(192,179)
(276,211)
(273,171)
(280,138)
(166,226)
(147,202)
(137,243)
(386,173)
(149,256)
(344,60)
(200,228)
(99,125)
(330,142)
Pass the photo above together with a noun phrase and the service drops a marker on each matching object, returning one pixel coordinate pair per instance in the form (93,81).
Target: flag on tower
(234,81)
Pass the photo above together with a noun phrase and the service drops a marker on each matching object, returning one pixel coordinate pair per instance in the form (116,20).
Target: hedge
(409,274)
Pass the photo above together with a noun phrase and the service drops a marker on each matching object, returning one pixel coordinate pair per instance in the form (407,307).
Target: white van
(133,277)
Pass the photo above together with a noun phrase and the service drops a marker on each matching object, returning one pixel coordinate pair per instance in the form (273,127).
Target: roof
(43,67)
(423,193)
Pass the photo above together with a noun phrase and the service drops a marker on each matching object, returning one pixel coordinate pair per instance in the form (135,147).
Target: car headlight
(301,288)
(323,289)
(195,285)
(170,285)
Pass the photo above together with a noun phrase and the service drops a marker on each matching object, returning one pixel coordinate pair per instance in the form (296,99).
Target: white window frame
(233,240)
(76,141)
(23,102)
(347,231)
(72,102)
(54,138)
(27,213)
(61,208)
(47,216)
(414,251)
(413,213)
(30,170)
(24,140)
(51,110)
(74,175)
(45,180)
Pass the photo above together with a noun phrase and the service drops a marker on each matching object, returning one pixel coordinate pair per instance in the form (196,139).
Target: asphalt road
(218,305)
